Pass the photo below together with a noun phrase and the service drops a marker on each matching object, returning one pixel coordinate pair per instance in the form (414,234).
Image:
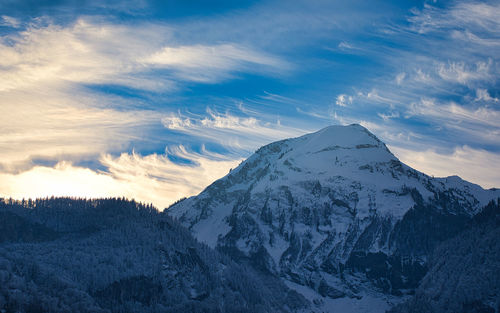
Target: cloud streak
(343,100)
(93,51)
(474,16)
(47,110)
(202,63)
(238,133)
(49,115)
(9,21)
(459,72)
(56,126)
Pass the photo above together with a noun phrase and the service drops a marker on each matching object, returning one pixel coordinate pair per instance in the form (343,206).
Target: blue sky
(156,99)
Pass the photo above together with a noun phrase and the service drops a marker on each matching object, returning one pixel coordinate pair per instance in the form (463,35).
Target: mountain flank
(335,215)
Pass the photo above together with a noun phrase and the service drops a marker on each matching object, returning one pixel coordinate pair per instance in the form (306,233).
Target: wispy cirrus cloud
(484,95)
(343,100)
(85,52)
(45,69)
(465,74)
(49,113)
(455,113)
(94,51)
(9,21)
(440,84)
(203,63)
(55,127)
(464,15)
(235,132)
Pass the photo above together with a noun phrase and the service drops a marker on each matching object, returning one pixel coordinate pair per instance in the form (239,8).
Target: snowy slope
(334,212)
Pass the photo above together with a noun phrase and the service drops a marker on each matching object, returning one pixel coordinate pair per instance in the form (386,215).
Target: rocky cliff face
(335,214)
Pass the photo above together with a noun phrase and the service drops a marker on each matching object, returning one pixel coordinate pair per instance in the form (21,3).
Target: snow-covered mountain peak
(341,136)
(331,151)
(307,208)
(331,138)
(335,153)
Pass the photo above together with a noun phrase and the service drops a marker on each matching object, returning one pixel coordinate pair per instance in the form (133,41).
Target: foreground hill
(334,214)
(113,255)
(464,272)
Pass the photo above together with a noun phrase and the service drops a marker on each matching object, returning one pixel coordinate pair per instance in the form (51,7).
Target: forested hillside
(464,274)
(115,255)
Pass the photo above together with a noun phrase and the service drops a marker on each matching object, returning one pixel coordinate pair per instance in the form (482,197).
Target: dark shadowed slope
(464,273)
(113,255)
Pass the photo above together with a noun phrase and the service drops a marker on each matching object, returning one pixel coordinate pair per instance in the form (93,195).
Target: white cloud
(467,36)
(343,100)
(400,77)
(89,52)
(476,14)
(422,77)
(343,45)
(61,180)
(461,41)
(472,16)
(175,122)
(157,179)
(387,117)
(274,26)
(53,125)
(478,166)
(232,131)
(9,21)
(374,97)
(93,52)
(454,113)
(48,113)
(461,73)
(484,95)
(211,63)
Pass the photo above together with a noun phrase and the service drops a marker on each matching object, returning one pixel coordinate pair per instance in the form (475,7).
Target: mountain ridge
(314,208)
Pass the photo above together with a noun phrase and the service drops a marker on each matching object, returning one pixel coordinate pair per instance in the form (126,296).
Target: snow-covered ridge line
(331,204)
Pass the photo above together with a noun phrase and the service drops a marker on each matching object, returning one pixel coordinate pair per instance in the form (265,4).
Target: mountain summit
(334,214)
